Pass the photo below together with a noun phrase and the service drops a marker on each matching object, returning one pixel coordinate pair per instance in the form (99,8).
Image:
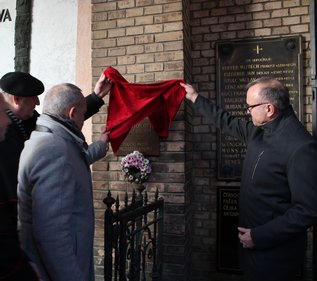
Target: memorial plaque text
(142,137)
(227,234)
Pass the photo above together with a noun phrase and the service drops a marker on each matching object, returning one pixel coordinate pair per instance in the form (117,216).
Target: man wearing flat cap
(4,118)
(21,91)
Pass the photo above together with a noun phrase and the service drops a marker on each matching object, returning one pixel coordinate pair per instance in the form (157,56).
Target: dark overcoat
(278,192)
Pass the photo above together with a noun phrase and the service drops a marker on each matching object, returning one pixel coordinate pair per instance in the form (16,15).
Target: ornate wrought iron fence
(133,238)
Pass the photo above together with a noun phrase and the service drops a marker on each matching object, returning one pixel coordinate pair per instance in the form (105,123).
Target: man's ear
(271,110)
(16,100)
(71,112)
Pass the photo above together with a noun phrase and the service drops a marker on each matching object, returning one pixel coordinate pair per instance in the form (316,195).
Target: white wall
(53,42)
(60,46)
(7,49)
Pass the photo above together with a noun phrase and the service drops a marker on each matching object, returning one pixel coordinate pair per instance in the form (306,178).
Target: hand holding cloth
(131,103)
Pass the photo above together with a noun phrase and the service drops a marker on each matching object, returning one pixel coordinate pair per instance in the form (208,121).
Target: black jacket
(278,192)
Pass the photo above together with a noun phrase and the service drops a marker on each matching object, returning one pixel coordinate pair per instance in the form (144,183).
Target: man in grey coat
(20,91)
(56,213)
(278,192)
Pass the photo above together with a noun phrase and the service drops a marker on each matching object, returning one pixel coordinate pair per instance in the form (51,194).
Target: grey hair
(5,95)
(60,98)
(272,91)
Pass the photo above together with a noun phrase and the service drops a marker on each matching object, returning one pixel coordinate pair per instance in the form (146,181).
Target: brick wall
(225,20)
(143,40)
(153,40)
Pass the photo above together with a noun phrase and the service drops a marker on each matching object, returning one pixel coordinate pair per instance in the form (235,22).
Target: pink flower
(135,167)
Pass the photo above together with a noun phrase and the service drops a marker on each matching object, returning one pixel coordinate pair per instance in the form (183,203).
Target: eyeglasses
(250,107)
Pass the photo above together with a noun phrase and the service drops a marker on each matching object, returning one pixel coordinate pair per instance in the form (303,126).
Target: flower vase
(140,189)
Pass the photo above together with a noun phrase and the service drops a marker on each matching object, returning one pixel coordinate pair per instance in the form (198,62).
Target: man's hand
(102,86)
(191,93)
(245,237)
(104,137)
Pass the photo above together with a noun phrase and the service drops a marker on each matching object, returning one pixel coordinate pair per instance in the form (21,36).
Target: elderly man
(4,119)
(21,91)
(278,191)
(56,210)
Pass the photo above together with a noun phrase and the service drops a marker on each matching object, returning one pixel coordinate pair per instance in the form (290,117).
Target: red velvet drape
(130,103)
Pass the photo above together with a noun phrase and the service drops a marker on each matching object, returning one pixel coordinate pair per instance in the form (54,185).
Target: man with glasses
(278,192)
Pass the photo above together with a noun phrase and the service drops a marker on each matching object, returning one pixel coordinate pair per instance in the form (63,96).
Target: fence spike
(117,202)
(145,197)
(133,197)
(126,199)
(109,200)
(156,194)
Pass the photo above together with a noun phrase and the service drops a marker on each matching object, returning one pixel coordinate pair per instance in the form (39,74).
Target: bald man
(278,195)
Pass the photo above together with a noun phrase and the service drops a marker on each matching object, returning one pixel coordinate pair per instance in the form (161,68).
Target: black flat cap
(21,84)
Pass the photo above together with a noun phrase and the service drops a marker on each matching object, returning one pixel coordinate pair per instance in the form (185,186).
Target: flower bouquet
(136,168)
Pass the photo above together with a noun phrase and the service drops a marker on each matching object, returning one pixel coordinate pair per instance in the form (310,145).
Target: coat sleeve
(93,105)
(227,123)
(96,151)
(302,178)
(53,190)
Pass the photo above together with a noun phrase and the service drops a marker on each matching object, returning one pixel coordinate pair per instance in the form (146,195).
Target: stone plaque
(238,63)
(142,137)
(227,233)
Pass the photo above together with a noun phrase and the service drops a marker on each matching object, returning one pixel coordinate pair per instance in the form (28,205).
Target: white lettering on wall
(5,15)
(7,33)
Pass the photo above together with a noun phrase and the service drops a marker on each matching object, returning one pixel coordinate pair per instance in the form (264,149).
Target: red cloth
(131,103)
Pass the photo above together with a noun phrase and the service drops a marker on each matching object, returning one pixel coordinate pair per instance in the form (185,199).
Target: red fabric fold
(131,103)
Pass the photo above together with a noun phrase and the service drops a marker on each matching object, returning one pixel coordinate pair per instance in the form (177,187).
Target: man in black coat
(21,91)
(278,193)
(4,118)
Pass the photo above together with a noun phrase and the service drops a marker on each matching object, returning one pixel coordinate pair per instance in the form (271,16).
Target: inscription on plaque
(238,63)
(227,234)
(142,137)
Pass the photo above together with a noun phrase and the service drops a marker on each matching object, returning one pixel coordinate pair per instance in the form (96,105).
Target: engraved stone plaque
(227,234)
(238,63)
(142,137)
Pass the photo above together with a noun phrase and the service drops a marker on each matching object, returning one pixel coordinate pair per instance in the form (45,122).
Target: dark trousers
(14,265)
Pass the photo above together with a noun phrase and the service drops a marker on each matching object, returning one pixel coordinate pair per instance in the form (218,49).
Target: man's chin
(257,124)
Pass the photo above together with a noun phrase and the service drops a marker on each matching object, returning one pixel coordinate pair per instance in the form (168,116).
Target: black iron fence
(133,238)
